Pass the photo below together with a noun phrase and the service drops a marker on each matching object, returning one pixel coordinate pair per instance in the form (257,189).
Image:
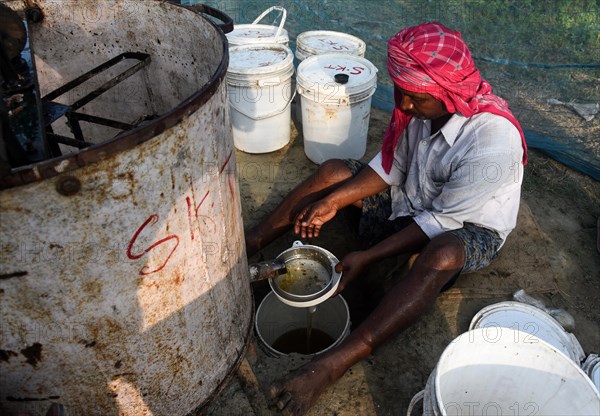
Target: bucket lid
(318,42)
(256,34)
(256,60)
(316,77)
(529,319)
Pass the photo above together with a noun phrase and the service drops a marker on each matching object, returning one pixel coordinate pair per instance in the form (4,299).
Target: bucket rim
(308,50)
(239,40)
(525,340)
(339,339)
(283,66)
(489,311)
(305,84)
(129,139)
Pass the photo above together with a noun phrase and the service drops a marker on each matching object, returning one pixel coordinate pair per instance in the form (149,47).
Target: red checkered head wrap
(430,58)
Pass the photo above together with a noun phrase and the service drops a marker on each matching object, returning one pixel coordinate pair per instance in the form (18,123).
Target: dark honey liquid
(303,277)
(297,341)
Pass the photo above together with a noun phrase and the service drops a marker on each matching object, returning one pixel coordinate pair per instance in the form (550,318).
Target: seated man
(446,184)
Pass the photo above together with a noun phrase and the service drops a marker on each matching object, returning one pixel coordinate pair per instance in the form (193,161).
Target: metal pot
(315,280)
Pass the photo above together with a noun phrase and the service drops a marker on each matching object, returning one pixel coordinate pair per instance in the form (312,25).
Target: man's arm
(310,220)
(408,240)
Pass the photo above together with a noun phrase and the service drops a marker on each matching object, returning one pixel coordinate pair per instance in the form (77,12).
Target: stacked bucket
(335,84)
(515,359)
(259,85)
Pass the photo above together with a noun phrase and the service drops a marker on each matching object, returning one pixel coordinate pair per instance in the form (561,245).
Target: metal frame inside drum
(125,140)
(294,253)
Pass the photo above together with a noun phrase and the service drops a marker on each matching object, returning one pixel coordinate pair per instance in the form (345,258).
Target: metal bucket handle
(269,10)
(226,26)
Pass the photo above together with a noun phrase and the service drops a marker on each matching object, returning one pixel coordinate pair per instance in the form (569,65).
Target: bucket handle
(226,26)
(420,396)
(275,113)
(269,10)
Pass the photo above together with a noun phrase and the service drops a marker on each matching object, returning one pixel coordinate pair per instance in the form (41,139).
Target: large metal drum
(123,275)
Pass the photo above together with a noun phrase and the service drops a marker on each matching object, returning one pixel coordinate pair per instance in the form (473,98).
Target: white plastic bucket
(255,33)
(274,318)
(591,367)
(335,116)
(319,42)
(529,319)
(511,373)
(260,92)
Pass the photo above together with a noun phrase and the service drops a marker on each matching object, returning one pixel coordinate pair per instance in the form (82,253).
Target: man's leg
(330,175)
(438,263)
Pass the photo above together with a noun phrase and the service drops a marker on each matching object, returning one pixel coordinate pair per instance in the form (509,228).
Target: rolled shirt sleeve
(394,178)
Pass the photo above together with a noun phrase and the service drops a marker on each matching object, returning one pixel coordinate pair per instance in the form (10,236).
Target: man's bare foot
(301,390)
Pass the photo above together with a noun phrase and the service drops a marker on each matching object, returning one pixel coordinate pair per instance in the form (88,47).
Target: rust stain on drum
(33,353)
(6,355)
(93,288)
(13,274)
(331,114)
(68,185)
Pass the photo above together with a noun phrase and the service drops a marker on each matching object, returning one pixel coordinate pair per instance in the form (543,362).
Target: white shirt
(469,171)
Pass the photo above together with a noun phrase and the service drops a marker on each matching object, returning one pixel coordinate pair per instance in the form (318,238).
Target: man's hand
(353,265)
(310,220)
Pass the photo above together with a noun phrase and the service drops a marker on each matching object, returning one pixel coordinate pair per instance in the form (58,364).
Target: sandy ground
(552,254)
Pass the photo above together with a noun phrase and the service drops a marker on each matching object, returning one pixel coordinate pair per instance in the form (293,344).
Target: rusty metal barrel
(123,276)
